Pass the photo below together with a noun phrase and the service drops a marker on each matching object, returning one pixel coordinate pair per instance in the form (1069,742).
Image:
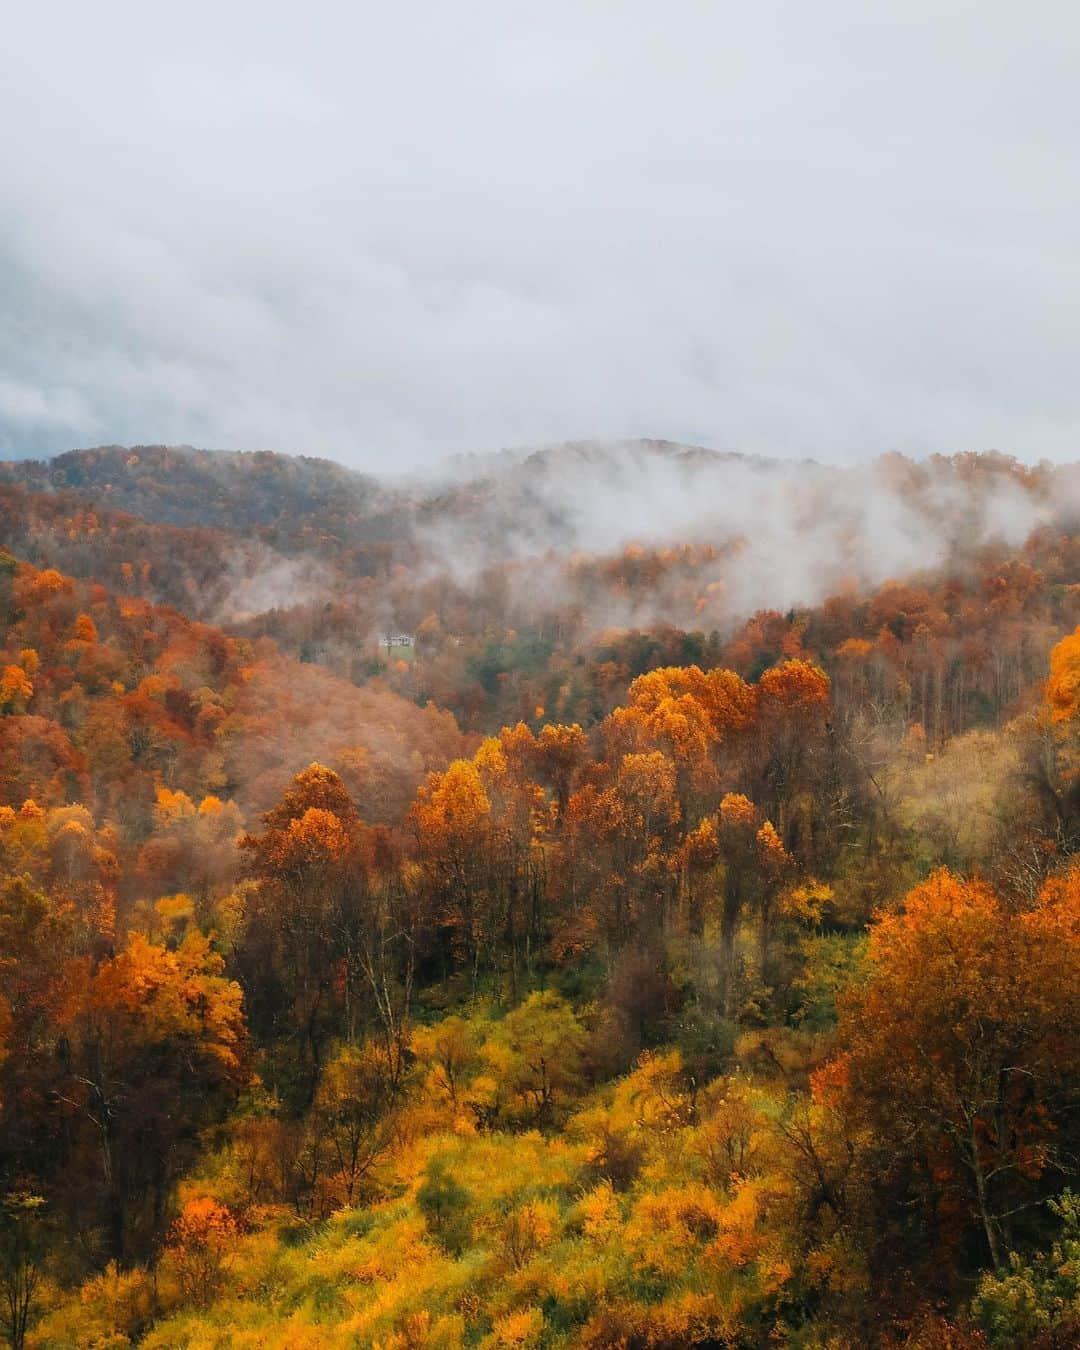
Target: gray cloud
(387,233)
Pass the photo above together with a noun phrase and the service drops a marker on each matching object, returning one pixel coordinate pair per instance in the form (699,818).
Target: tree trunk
(988,1222)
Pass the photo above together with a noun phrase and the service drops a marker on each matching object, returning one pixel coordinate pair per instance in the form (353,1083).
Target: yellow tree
(350,1126)
(537,1053)
(449,1050)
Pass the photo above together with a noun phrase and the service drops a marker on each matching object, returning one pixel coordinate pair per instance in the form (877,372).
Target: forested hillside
(669,937)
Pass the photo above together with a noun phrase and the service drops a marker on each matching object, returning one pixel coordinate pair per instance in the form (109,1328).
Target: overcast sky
(389,232)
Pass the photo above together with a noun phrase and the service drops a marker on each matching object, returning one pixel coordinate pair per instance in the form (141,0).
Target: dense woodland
(606,965)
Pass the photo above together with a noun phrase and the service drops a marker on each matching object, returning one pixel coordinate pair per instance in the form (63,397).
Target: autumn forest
(614,896)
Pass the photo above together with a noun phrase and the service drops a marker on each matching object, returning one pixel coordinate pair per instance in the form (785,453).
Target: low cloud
(770,533)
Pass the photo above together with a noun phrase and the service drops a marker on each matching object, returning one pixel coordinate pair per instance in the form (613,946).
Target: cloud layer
(387,233)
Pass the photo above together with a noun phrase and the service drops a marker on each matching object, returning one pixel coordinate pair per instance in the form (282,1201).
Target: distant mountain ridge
(800,529)
(180,485)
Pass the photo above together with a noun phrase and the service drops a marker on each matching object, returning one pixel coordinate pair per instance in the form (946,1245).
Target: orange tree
(962,1058)
(311,865)
(151,1050)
